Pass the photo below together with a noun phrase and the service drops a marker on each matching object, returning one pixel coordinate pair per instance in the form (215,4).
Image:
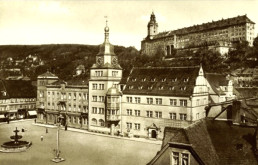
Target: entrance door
(153,134)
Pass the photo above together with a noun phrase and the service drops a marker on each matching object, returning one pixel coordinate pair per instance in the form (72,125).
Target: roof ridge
(167,67)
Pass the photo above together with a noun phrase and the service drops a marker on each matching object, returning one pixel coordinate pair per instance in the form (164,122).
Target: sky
(83,21)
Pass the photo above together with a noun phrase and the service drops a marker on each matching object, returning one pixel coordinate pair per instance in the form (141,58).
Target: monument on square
(16,145)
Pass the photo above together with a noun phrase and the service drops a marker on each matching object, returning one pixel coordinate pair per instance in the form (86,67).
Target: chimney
(236,116)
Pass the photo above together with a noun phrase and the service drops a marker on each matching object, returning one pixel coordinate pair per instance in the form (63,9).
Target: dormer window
(144,79)
(140,87)
(174,80)
(150,87)
(153,80)
(182,88)
(161,88)
(163,80)
(186,79)
(131,87)
(171,88)
(133,79)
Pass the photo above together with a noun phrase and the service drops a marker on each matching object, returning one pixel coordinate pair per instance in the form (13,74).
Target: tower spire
(106,30)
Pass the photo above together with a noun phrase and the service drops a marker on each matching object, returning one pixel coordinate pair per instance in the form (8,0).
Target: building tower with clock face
(104,96)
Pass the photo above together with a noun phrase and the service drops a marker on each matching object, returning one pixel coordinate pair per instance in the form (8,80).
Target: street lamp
(57,158)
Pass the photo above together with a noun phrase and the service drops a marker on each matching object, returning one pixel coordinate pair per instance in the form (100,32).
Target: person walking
(46,130)
(41,137)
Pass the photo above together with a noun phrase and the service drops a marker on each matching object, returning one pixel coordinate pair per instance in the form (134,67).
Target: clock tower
(105,75)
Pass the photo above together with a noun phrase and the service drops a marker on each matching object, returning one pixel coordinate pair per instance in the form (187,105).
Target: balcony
(113,117)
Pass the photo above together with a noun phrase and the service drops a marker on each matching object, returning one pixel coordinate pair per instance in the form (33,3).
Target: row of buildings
(17,100)
(141,104)
(216,35)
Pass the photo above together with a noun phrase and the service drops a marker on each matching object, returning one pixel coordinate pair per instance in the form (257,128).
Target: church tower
(105,75)
(152,26)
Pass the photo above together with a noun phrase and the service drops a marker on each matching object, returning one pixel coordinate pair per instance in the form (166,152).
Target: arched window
(94,121)
(101,122)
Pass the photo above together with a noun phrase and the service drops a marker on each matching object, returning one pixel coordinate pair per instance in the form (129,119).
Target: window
(182,88)
(173,102)
(149,114)
(94,121)
(137,100)
(74,96)
(99,73)
(149,87)
(158,101)
(70,107)
(101,86)
(158,114)
(164,79)
(149,100)
(197,102)
(94,86)
(140,87)
(101,110)
(172,116)
(80,96)
(129,112)
(114,73)
(74,107)
(69,96)
(153,80)
(182,116)
(175,160)
(94,98)
(84,96)
(94,110)
(130,87)
(171,88)
(197,115)
(144,79)
(137,126)
(133,79)
(129,125)
(102,98)
(183,103)
(137,112)
(185,159)
(129,99)
(101,122)
(79,108)
(174,80)
(161,88)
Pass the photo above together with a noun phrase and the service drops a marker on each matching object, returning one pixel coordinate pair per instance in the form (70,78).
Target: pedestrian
(35,121)
(46,130)
(41,137)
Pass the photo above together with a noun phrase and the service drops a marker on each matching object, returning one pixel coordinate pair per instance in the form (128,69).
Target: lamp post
(57,158)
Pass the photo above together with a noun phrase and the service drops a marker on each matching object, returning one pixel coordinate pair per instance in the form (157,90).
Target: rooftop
(164,81)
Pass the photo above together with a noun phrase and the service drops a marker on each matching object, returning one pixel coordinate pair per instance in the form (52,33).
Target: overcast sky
(83,22)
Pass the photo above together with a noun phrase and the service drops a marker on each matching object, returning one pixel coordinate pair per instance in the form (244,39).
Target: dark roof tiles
(165,81)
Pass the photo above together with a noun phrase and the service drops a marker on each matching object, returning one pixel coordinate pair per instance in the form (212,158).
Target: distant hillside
(61,59)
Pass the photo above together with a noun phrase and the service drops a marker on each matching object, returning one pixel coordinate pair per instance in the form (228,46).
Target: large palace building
(140,105)
(218,35)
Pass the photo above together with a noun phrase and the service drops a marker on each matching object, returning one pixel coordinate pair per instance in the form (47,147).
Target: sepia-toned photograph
(126,82)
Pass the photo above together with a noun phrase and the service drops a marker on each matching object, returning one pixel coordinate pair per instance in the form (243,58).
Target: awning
(2,116)
(31,113)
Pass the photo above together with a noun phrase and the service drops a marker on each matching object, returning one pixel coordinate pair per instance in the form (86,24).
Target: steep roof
(82,79)
(162,81)
(218,142)
(206,26)
(216,80)
(17,89)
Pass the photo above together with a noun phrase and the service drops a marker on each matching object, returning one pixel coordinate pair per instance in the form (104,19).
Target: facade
(69,99)
(218,35)
(17,100)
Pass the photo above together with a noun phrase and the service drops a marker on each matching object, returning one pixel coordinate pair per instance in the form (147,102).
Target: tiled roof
(216,80)
(162,81)
(47,75)
(78,80)
(17,89)
(247,92)
(218,142)
(206,26)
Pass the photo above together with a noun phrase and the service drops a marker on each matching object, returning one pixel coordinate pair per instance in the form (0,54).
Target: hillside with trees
(61,59)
